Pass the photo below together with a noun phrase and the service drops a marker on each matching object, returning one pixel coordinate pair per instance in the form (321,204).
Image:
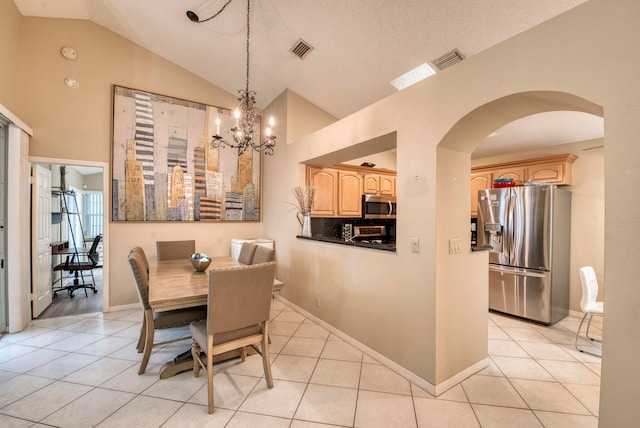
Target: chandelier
(245,114)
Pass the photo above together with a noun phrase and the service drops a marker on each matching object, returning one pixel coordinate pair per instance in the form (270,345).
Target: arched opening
(463,280)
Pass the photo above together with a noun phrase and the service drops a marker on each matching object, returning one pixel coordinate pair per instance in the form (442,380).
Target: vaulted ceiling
(359,46)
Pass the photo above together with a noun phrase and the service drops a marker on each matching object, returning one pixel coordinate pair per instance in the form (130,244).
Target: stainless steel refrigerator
(529,231)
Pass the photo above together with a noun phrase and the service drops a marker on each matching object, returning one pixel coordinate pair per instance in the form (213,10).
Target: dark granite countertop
(333,240)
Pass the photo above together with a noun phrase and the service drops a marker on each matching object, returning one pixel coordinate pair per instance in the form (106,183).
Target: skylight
(419,73)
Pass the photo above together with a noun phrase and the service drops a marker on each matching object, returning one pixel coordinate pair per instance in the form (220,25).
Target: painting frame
(164,168)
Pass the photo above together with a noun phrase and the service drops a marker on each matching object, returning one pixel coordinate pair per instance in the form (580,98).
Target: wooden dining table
(175,284)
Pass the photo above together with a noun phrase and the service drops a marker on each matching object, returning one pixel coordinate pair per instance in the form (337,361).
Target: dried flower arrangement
(304,195)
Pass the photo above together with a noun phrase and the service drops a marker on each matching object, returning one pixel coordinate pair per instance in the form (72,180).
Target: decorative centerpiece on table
(200,261)
(304,196)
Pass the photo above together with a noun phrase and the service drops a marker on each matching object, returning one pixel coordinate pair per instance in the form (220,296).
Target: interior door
(41,240)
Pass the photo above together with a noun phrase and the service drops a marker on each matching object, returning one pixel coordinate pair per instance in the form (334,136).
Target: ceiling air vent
(448,59)
(301,49)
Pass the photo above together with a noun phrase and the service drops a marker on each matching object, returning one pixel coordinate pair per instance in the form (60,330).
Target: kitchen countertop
(333,240)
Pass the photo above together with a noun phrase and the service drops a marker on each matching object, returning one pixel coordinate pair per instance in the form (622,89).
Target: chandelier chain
(216,14)
(248,34)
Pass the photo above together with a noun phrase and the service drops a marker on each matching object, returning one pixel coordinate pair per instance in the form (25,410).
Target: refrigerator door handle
(518,271)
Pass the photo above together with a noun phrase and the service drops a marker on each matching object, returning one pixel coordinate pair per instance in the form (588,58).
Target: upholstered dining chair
(246,253)
(156,320)
(263,255)
(237,317)
(171,250)
(588,304)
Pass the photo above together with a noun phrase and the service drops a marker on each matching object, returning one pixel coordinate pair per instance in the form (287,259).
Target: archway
(462,281)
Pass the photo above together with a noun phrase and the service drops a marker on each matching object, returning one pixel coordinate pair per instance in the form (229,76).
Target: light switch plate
(455,246)
(415,245)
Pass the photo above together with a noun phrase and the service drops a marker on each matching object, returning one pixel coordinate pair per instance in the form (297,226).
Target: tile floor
(81,371)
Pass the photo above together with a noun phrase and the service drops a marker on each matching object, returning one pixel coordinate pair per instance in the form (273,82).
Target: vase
(305,221)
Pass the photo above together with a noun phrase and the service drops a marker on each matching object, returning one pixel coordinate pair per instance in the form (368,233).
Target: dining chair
(237,317)
(588,304)
(171,250)
(156,320)
(263,255)
(246,253)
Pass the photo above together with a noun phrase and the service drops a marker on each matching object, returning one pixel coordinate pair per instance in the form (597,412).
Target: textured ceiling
(359,45)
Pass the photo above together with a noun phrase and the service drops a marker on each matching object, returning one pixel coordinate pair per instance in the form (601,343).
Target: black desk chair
(74,265)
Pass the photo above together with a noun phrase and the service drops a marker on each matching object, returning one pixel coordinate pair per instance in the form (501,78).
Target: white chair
(588,304)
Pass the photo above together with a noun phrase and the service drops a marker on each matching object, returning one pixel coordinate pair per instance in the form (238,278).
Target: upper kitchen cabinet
(338,192)
(379,184)
(325,202)
(551,169)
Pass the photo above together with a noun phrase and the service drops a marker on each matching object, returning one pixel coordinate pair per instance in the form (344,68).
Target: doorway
(77,216)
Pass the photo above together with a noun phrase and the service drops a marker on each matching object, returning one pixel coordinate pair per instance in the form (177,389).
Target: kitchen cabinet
(349,194)
(479,181)
(550,169)
(379,184)
(325,202)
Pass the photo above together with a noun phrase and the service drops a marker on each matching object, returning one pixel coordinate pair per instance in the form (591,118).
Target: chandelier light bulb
(271,121)
(217,125)
(268,131)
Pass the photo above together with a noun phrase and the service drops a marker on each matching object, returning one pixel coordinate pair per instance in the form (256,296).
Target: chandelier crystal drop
(245,114)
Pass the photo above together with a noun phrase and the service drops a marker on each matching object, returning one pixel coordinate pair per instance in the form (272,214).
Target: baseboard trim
(118,308)
(434,390)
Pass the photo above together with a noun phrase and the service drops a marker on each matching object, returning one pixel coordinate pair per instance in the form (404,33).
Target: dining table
(175,284)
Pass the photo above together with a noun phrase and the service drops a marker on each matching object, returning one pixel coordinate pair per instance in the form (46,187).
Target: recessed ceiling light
(413,76)
(71,82)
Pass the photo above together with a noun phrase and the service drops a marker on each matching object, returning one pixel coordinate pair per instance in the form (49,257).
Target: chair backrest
(171,250)
(93,251)
(239,296)
(263,255)
(137,262)
(247,252)
(589,284)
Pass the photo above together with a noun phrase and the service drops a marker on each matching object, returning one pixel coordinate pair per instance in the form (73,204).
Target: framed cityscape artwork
(164,168)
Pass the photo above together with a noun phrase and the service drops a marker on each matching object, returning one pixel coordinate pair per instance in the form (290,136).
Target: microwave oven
(374,206)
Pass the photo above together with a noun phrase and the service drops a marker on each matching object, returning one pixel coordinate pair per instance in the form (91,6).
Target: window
(93,214)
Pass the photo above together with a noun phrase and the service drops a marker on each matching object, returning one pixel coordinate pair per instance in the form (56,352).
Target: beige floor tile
(99,371)
(492,390)
(179,387)
(304,347)
(563,420)
(277,343)
(525,333)
(455,393)
(197,416)
(442,413)
(90,409)
(382,379)
(571,372)
(250,420)
(328,404)
(492,370)
(229,390)
(42,340)
(311,330)
(290,316)
(506,348)
(293,368)
(11,422)
(548,396)
(496,332)
(67,364)
(142,412)
(282,328)
(339,350)
(416,391)
(378,409)
(500,417)
(307,424)
(130,381)
(36,358)
(545,351)
(337,373)
(252,366)
(20,386)
(108,345)
(589,395)
(45,401)
(521,368)
(282,400)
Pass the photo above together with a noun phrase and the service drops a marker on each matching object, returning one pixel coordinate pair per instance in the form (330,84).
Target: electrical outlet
(455,246)
(415,245)
(318,301)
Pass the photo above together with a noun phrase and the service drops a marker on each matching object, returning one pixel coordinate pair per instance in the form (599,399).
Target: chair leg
(195,355)
(148,345)
(210,373)
(578,334)
(143,335)
(589,327)
(266,362)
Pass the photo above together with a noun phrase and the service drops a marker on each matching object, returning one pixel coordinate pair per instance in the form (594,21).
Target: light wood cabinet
(379,184)
(479,181)
(325,202)
(551,169)
(349,194)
